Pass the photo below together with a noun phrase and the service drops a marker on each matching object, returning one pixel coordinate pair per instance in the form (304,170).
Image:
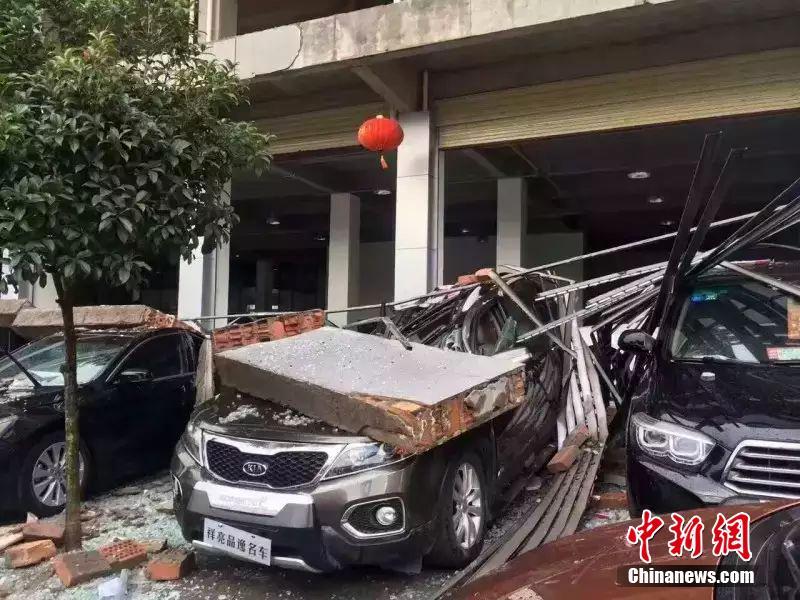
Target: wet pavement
(143,511)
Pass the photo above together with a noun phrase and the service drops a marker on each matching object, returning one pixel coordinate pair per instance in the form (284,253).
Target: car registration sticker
(237,542)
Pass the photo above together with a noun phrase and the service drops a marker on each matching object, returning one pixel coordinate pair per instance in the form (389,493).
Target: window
(43,359)
(741,322)
(156,358)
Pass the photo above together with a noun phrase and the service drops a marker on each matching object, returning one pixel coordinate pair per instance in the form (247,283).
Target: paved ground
(142,511)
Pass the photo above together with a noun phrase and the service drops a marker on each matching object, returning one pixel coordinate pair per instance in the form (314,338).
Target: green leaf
(74,144)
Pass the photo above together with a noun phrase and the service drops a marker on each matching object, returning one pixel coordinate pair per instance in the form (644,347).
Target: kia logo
(254,469)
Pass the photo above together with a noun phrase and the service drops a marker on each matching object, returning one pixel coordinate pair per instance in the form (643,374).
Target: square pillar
(343,259)
(419,215)
(512,221)
(264,284)
(217,19)
(190,285)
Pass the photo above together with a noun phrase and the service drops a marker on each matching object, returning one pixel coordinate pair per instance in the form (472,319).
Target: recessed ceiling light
(383,192)
(237,256)
(655,200)
(464,230)
(638,175)
(274,221)
(320,237)
(668,223)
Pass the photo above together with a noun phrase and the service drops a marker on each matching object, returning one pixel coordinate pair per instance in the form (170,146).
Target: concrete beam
(407,27)
(397,84)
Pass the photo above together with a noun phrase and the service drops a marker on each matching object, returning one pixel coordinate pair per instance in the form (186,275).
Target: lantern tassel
(384,164)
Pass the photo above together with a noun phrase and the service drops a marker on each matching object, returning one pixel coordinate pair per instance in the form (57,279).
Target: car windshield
(746,322)
(43,359)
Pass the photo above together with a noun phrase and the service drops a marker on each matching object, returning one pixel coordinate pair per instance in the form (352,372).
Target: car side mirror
(637,341)
(133,376)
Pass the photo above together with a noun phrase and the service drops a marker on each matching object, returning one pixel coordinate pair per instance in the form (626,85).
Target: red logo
(731,534)
(644,533)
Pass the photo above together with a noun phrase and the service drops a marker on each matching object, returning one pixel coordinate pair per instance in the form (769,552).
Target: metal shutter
(332,128)
(735,85)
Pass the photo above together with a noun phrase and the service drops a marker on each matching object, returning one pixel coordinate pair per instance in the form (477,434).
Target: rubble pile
(129,531)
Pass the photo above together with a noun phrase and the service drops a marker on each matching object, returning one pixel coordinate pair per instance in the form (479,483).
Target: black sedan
(136,393)
(715,418)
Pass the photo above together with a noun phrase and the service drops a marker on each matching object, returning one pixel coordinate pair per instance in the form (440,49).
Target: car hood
(28,402)
(243,416)
(740,399)
(590,561)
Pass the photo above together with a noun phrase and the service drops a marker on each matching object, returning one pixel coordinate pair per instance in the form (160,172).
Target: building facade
(534,130)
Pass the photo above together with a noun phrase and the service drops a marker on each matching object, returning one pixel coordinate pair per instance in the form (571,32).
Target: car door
(152,387)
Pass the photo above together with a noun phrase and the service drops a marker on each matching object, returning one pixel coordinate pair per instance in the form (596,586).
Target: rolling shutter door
(332,128)
(736,85)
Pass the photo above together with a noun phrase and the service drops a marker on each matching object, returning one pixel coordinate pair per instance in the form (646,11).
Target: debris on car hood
(33,323)
(413,399)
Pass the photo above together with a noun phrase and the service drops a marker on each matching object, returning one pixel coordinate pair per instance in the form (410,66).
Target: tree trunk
(72,533)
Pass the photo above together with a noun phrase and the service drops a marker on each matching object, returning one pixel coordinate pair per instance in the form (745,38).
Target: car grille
(284,469)
(766,469)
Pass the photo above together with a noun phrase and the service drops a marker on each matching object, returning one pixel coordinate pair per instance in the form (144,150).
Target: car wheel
(43,480)
(462,514)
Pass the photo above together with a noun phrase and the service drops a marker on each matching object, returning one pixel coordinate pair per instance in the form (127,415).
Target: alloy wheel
(49,476)
(467,507)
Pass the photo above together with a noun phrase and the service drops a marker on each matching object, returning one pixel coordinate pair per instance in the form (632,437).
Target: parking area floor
(142,511)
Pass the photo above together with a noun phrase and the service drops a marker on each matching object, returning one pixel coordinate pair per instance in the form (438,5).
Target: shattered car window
(745,322)
(43,359)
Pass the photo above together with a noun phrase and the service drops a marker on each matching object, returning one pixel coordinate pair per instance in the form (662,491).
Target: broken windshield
(43,359)
(744,322)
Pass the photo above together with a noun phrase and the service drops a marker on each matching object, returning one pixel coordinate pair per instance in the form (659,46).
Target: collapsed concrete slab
(9,309)
(33,323)
(413,399)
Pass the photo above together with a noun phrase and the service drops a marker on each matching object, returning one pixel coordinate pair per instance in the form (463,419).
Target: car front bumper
(306,528)
(661,489)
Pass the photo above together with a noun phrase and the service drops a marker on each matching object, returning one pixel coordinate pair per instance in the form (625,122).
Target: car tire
(40,485)
(462,513)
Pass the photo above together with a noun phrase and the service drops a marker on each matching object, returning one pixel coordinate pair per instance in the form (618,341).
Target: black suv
(715,416)
(136,393)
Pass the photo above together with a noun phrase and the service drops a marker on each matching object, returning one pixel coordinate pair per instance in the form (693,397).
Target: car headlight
(6,423)
(362,457)
(193,441)
(667,440)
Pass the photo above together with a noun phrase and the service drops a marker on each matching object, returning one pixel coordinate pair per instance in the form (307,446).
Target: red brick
(10,539)
(577,436)
(29,553)
(563,459)
(45,530)
(482,275)
(611,501)
(170,565)
(466,280)
(124,554)
(78,567)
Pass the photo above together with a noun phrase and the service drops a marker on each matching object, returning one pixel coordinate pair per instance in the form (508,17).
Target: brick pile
(266,330)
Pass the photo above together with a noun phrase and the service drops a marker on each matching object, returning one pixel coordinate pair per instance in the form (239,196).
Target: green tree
(115,146)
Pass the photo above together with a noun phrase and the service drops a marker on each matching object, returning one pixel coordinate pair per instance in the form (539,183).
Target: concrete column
(512,221)
(44,297)
(343,259)
(190,285)
(264,284)
(217,19)
(214,301)
(419,216)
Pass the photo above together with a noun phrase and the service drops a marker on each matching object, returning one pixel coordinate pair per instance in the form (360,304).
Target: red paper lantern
(380,134)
